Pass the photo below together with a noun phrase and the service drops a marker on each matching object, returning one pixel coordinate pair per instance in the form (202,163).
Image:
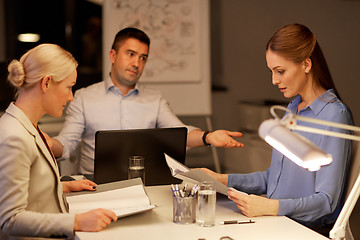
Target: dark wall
(6,91)
(245,28)
(63,22)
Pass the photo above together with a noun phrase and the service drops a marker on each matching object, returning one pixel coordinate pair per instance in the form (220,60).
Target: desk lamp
(304,153)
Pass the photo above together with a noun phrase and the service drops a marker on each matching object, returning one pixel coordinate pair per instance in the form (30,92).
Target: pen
(182,193)
(177,191)
(237,222)
(194,190)
(173,189)
(184,189)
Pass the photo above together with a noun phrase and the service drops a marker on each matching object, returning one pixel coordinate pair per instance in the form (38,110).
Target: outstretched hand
(224,138)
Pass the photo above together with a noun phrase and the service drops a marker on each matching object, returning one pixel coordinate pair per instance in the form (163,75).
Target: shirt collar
(109,86)
(317,105)
(108,83)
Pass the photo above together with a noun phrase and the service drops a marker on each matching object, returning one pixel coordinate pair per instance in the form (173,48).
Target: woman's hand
(78,185)
(223,178)
(253,205)
(94,220)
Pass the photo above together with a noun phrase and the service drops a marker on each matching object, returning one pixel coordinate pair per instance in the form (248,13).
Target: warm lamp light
(297,148)
(29,37)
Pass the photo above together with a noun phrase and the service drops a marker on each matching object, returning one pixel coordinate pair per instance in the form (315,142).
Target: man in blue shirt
(120,102)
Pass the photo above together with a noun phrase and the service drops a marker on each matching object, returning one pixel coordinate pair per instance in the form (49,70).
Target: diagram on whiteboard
(174,28)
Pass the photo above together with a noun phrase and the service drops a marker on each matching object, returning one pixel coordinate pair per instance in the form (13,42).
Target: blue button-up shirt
(313,198)
(102,106)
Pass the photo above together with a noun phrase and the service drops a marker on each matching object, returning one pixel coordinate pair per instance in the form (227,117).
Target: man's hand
(224,138)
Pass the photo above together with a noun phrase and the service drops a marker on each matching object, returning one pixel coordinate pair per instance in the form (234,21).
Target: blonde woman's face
(59,94)
(290,77)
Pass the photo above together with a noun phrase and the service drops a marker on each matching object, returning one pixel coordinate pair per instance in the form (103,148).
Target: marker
(182,193)
(193,190)
(184,189)
(177,191)
(237,222)
(173,189)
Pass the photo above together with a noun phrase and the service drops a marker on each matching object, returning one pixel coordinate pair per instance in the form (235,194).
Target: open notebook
(124,198)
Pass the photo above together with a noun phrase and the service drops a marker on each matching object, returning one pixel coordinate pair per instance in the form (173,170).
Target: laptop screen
(114,147)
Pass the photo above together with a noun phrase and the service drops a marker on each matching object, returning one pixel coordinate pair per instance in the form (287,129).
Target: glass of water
(206,205)
(137,168)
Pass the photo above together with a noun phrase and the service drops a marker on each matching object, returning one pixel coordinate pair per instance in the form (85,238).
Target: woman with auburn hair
(314,199)
(31,195)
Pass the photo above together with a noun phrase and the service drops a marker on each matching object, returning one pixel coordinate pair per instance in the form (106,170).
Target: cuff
(286,207)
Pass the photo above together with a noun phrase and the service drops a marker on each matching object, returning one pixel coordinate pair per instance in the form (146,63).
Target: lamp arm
(328,123)
(324,132)
(338,231)
(290,121)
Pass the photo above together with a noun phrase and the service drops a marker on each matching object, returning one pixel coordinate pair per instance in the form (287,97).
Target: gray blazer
(31,194)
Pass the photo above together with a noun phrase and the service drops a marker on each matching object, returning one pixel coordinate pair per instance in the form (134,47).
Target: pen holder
(184,210)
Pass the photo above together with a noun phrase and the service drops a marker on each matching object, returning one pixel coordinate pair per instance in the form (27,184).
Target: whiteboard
(179,58)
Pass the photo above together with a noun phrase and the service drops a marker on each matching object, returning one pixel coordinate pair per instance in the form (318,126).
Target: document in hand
(124,198)
(195,175)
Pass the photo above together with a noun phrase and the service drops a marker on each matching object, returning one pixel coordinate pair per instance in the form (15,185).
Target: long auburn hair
(296,43)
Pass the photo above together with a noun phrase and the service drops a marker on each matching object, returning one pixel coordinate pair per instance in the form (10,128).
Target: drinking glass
(206,205)
(137,168)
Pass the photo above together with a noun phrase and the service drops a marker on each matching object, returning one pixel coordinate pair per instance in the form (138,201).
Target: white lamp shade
(294,146)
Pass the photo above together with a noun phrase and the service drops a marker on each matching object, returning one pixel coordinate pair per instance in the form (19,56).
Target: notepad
(124,201)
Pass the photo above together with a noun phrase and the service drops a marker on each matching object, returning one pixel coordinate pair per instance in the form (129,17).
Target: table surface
(157,224)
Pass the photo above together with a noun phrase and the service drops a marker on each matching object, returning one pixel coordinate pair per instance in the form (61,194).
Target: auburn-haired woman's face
(290,77)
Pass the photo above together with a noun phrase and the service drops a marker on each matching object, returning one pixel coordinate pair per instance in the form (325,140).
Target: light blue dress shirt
(312,198)
(101,106)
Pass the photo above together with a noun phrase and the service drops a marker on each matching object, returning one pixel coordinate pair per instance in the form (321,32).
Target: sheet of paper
(123,212)
(128,199)
(175,166)
(195,175)
(200,176)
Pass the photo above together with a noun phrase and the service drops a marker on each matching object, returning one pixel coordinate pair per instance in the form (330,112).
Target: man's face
(128,62)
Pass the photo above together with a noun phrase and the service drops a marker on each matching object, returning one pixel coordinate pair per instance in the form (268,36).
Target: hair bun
(16,73)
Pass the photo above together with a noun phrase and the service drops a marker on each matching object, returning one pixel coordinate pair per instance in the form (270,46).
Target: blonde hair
(42,60)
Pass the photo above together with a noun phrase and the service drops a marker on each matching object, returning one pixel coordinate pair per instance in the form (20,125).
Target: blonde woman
(31,194)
